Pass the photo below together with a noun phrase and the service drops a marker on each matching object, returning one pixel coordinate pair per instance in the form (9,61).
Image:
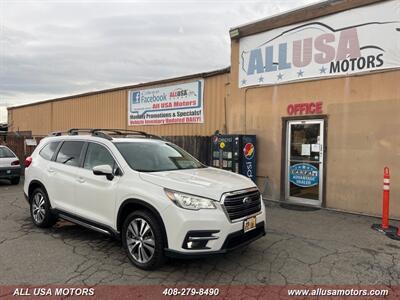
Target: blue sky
(52,48)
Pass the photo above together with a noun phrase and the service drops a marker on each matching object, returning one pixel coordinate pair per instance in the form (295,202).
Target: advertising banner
(354,41)
(180,103)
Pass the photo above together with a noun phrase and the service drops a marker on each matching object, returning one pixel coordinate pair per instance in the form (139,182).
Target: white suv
(159,200)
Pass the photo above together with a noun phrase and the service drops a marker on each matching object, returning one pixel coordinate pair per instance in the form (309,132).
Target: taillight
(28,161)
(15,163)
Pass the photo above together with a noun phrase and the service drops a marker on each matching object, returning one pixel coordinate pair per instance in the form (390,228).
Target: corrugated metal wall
(104,110)
(109,110)
(36,118)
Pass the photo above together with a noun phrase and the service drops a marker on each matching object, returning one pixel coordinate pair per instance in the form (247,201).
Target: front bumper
(228,235)
(232,242)
(10,172)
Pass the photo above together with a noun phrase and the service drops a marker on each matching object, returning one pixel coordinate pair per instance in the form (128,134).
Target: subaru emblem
(246,200)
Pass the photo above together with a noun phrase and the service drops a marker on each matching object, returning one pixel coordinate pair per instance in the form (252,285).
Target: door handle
(80,179)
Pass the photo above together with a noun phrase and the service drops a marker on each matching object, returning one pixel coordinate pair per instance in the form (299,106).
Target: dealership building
(318,86)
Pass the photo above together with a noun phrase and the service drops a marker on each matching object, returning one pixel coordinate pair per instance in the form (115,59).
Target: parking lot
(301,247)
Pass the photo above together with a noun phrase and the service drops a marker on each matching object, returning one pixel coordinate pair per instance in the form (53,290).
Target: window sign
(304,175)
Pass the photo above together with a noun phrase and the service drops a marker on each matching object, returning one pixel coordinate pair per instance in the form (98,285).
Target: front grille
(237,208)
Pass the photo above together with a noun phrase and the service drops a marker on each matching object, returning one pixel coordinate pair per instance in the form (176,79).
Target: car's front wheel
(143,240)
(41,210)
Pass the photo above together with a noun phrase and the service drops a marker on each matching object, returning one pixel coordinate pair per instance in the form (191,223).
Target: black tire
(41,209)
(157,258)
(15,180)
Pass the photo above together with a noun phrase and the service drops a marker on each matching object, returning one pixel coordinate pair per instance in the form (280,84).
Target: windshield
(157,157)
(5,152)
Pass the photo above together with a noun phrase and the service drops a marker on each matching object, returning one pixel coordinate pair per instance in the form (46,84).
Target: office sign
(307,108)
(179,103)
(350,42)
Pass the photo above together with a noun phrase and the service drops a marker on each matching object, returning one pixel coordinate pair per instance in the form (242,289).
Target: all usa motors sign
(358,40)
(181,103)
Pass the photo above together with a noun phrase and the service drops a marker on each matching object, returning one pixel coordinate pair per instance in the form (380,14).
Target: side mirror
(104,170)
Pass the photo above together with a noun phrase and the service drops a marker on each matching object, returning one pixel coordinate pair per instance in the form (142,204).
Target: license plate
(249,224)
(8,171)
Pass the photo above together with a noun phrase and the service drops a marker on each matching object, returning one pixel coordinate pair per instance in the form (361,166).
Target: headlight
(189,201)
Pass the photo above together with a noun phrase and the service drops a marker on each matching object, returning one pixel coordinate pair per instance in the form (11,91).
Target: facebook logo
(135,97)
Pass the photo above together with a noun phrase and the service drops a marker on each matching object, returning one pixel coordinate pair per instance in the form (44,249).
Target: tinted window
(69,153)
(97,155)
(48,150)
(5,152)
(155,157)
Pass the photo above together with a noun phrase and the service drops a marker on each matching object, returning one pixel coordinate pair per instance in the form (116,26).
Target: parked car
(158,199)
(10,167)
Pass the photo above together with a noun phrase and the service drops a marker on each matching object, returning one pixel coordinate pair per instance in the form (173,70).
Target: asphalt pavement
(301,247)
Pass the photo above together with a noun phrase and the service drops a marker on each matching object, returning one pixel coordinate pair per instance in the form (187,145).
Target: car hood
(206,182)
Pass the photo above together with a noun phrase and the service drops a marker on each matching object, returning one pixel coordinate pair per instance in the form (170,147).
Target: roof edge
(144,84)
(298,15)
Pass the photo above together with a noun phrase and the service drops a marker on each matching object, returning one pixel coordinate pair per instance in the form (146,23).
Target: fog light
(200,244)
(196,240)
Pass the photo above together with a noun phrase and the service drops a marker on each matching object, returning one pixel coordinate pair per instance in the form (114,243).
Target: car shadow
(5,182)
(77,235)
(68,230)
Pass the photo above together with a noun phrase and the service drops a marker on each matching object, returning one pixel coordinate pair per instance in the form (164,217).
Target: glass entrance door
(304,164)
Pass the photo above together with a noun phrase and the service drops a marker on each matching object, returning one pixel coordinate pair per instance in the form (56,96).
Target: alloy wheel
(140,240)
(38,208)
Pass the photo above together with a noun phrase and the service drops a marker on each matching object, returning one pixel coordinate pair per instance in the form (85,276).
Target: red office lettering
(307,108)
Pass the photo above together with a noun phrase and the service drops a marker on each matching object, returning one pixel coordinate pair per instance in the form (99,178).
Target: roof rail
(101,134)
(55,133)
(107,133)
(127,133)
(76,131)
(120,131)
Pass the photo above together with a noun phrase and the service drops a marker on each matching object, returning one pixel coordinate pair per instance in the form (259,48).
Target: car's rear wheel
(143,240)
(15,180)
(41,210)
